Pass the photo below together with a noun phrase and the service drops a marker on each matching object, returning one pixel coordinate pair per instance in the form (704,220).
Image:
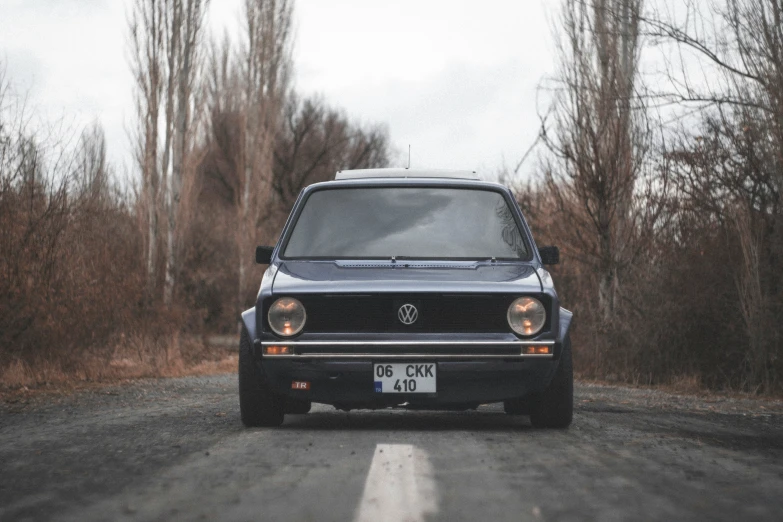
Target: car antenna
(409,157)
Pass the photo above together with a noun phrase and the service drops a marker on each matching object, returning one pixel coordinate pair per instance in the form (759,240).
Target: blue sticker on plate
(378,387)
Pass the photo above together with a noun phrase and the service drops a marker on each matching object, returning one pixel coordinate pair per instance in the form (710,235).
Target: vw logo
(408,314)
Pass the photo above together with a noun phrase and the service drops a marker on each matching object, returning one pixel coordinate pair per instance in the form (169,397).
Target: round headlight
(287,316)
(526,316)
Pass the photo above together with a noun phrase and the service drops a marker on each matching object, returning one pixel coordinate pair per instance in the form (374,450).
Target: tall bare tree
(165,41)
(184,42)
(147,27)
(246,92)
(600,138)
(265,61)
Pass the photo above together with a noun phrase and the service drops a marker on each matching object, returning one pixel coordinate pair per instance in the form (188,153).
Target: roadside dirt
(172,449)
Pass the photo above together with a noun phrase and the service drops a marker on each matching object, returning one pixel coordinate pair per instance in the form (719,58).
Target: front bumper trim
(461,346)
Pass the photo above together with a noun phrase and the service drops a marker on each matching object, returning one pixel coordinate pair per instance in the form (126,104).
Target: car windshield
(406,222)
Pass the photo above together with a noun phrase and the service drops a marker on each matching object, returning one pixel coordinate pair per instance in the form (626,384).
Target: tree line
(94,271)
(665,190)
(662,190)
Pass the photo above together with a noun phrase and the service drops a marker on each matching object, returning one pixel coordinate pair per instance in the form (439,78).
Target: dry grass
(685,385)
(135,357)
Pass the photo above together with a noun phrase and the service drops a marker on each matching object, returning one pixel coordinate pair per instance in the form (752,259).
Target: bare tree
(601,139)
(752,299)
(147,25)
(735,173)
(246,92)
(315,141)
(184,57)
(265,61)
(165,41)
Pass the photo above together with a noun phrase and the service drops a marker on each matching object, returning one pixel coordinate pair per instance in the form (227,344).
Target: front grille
(436,313)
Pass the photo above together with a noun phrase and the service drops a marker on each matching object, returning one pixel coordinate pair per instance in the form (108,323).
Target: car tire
(297,406)
(555,407)
(258,405)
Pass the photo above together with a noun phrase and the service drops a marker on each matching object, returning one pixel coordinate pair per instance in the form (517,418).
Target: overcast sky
(454,79)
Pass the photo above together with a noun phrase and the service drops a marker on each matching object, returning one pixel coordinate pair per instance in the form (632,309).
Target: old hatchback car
(395,287)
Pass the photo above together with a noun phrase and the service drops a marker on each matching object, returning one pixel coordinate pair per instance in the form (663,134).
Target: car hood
(307,277)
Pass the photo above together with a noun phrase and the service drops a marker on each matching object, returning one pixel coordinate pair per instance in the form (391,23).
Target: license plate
(405,377)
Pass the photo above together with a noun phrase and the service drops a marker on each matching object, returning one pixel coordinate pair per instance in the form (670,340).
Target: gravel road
(174,449)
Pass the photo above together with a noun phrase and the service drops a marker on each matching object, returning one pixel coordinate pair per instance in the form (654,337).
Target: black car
(395,287)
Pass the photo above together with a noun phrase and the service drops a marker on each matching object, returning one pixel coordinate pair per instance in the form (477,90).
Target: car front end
(361,327)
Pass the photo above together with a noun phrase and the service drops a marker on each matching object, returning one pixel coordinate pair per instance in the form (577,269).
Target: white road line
(399,486)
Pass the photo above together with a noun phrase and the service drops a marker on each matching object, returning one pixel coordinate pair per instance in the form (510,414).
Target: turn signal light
(277,350)
(537,350)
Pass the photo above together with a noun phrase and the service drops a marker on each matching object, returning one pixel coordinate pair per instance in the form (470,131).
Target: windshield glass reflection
(428,223)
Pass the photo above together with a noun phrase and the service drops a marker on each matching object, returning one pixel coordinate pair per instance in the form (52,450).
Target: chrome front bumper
(411,349)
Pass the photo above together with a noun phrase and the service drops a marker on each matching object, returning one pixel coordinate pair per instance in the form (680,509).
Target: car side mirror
(550,255)
(264,254)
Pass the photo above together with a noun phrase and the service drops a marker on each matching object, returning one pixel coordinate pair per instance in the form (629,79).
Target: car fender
(249,320)
(565,324)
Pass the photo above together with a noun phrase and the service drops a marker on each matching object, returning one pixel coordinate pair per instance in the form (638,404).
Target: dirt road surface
(174,449)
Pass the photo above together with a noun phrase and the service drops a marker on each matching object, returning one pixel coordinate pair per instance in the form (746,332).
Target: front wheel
(555,406)
(258,405)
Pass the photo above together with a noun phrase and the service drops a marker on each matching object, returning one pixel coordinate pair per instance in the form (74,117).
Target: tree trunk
(181,130)
(152,196)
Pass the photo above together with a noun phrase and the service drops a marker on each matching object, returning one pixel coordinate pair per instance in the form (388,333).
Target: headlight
(287,316)
(526,316)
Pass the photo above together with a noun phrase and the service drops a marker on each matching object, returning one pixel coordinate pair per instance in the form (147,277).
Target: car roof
(372,182)
(406,173)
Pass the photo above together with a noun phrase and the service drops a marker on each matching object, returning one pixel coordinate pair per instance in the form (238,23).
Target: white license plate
(405,377)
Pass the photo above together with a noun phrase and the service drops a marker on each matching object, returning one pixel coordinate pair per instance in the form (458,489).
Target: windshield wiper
(395,259)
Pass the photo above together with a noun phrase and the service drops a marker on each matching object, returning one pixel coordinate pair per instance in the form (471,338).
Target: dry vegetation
(100,280)
(665,199)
